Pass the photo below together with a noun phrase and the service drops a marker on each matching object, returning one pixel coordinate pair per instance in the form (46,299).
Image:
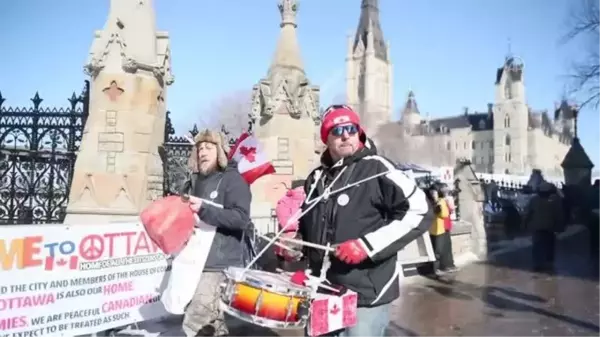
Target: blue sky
(446,51)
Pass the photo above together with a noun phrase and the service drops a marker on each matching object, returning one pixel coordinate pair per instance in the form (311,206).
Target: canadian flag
(51,261)
(330,313)
(252,161)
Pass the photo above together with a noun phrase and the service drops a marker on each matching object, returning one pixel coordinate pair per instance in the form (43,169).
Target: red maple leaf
(249,153)
(335,309)
(61,262)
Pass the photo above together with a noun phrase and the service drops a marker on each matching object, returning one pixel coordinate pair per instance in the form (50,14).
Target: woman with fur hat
(218,180)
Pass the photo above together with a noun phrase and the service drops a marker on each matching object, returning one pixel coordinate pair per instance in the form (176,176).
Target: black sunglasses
(351,129)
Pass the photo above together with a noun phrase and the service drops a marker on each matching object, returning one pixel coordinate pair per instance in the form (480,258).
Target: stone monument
(470,200)
(285,107)
(118,170)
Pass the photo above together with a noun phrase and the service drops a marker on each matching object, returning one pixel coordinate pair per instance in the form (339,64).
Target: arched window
(448,146)
(506,121)
(507,140)
(482,125)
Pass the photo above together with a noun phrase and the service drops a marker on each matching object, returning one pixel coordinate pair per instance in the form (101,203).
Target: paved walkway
(504,297)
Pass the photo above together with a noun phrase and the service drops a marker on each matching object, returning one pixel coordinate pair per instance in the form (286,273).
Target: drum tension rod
(289,309)
(259,301)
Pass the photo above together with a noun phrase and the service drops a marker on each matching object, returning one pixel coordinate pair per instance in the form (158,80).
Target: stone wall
(461,239)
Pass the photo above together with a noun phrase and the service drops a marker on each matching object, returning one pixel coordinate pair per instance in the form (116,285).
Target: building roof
(453,122)
(482,121)
(542,120)
(411,104)
(576,157)
(369,22)
(515,67)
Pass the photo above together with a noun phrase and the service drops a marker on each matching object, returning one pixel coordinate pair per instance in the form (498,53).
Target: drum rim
(290,289)
(264,322)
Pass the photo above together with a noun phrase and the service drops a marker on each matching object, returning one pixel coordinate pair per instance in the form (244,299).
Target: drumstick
(186,198)
(280,245)
(308,244)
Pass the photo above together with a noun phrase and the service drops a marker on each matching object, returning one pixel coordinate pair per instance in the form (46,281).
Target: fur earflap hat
(208,136)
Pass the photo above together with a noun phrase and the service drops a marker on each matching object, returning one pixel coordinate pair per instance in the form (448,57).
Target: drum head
(278,283)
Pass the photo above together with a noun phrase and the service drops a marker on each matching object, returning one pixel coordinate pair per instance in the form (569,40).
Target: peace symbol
(91,247)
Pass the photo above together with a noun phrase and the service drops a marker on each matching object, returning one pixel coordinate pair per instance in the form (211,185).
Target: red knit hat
(336,115)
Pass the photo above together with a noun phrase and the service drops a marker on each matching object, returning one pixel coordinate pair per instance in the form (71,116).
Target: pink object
(169,223)
(448,219)
(330,313)
(287,206)
(299,277)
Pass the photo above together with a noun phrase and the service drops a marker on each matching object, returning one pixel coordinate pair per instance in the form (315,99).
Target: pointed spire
(128,38)
(136,21)
(287,53)
(411,104)
(369,24)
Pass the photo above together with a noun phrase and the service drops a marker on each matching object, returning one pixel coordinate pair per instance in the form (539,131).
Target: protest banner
(59,280)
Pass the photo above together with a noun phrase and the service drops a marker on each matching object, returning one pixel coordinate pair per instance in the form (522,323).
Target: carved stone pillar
(118,170)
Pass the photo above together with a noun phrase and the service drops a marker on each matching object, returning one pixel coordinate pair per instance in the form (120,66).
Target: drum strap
(249,245)
(331,226)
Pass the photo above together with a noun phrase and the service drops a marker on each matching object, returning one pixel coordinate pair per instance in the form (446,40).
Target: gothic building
(369,70)
(510,137)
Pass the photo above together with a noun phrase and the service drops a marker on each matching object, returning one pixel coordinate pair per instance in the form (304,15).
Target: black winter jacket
(228,188)
(545,211)
(385,214)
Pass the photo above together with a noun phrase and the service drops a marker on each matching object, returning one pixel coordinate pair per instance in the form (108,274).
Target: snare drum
(266,299)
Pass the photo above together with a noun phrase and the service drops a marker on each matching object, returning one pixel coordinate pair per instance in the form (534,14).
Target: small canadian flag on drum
(330,313)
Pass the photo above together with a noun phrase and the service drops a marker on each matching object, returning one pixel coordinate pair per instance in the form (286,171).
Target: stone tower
(411,116)
(369,70)
(511,118)
(118,170)
(285,107)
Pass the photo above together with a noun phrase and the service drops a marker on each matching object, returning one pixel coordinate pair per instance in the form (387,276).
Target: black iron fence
(38,148)
(175,157)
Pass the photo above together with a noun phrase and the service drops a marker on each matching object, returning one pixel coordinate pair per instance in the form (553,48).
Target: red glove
(351,252)
(299,278)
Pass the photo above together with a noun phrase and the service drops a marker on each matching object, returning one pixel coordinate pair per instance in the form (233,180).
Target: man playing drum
(368,223)
(218,180)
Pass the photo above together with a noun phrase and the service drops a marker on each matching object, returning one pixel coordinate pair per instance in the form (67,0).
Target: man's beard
(206,169)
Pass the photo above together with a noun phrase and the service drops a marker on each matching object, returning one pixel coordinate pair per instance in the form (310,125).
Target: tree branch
(584,23)
(230,113)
